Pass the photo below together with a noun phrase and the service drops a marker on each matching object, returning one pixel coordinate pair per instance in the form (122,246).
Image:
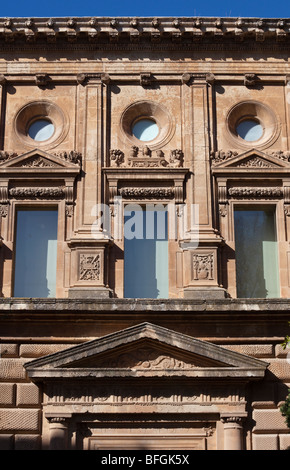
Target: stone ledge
(16,305)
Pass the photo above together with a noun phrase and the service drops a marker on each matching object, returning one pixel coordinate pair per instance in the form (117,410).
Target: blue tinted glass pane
(41,130)
(146,255)
(145,130)
(256,254)
(250,130)
(35,259)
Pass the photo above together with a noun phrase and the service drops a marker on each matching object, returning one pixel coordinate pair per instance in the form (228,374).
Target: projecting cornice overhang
(146,350)
(149,29)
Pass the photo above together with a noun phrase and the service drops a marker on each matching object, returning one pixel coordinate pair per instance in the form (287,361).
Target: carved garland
(36,193)
(255,192)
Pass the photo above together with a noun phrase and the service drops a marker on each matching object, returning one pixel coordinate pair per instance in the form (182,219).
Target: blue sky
(223,8)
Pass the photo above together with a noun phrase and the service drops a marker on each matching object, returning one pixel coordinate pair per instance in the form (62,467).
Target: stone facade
(90,368)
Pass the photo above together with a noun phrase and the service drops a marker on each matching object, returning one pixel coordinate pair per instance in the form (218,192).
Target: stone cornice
(104,30)
(272,307)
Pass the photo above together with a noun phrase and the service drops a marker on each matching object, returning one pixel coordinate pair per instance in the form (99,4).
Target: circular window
(249,130)
(145,130)
(147,121)
(41,122)
(41,130)
(252,121)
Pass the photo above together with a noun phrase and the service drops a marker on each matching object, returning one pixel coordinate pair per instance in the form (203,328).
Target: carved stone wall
(93,79)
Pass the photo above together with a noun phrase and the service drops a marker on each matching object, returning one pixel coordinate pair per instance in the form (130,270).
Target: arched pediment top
(145,350)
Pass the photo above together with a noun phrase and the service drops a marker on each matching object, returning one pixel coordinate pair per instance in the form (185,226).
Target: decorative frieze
(37,193)
(104,395)
(145,158)
(146,192)
(256,193)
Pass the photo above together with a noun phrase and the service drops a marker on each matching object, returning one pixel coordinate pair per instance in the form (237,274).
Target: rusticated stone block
(39,350)
(12,369)
(19,420)
(254,350)
(284,440)
(27,394)
(268,420)
(8,350)
(7,394)
(27,442)
(265,442)
(280,368)
(6,441)
(281,352)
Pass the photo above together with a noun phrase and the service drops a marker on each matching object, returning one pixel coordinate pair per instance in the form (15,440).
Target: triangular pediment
(145,350)
(40,160)
(253,159)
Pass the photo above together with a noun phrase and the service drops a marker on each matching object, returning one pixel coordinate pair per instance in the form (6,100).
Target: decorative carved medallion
(203,266)
(90,265)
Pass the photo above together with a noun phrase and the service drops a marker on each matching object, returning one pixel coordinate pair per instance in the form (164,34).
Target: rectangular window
(256,253)
(35,253)
(145,252)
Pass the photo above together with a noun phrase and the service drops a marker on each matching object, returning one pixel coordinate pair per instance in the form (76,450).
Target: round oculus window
(145,130)
(41,130)
(250,130)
